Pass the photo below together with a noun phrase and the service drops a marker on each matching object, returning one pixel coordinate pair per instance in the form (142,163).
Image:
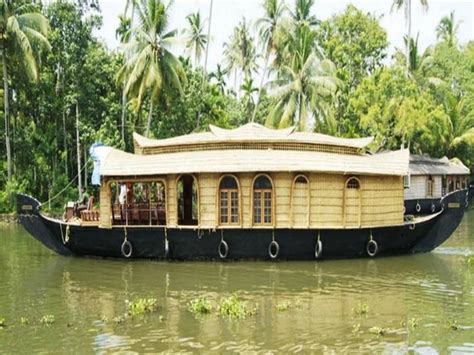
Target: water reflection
(415,299)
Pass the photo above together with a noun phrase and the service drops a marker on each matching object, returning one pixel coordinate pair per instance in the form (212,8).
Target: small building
(253,177)
(432,178)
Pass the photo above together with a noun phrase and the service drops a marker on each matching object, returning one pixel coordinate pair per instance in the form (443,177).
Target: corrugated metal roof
(119,163)
(426,165)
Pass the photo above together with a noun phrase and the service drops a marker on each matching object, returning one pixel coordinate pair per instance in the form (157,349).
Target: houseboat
(430,179)
(247,193)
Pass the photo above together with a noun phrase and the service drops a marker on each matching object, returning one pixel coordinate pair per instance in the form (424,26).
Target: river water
(421,303)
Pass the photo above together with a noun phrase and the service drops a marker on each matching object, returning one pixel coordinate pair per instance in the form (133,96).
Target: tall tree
(219,75)
(196,39)
(123,33)
(22,29)
(398,4)
(150,68)
(447,30)
(211,6)
(267,27)
(240,54)
(301,14)
(302,85)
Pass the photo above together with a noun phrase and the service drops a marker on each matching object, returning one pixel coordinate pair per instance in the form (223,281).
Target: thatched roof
(426,165)
(258,136)
(118,163)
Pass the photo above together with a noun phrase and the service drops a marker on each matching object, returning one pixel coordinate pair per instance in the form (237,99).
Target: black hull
(294,244)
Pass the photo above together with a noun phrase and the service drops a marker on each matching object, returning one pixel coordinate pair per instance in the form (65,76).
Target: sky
(228,13)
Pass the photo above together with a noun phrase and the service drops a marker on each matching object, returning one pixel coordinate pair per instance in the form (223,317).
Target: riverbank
(8,219)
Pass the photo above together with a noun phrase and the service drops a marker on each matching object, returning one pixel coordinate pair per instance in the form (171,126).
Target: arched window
(352,203)
(262,201)
(188,199)
(300,196)
(229,200)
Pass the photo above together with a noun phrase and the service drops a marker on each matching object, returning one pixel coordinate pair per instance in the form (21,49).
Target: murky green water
(414,299)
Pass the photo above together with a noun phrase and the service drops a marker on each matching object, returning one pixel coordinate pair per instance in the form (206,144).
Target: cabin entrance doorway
(187,200)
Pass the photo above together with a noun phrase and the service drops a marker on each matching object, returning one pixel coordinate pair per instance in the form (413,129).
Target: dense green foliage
(287,68)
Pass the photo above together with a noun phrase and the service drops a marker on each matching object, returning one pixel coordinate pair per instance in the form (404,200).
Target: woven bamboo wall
(207,199)
(382,200)
(327,201)
(105,206)
(171,200)
(245,180)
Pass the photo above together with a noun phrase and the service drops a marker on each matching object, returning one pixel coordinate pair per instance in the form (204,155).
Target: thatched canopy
(425,165)
(249,136)
(118,163)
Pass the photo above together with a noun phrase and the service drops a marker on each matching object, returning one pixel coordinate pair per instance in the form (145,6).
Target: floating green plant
(361,308)
(281,307)
(379,331)
(453,325)
(200,305)
(119,319)
(24,320)
(141,306)
(47,319)
(356,328)
(233,307)
(3,323)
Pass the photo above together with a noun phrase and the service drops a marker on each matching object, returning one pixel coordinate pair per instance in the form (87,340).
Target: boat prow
(30,217)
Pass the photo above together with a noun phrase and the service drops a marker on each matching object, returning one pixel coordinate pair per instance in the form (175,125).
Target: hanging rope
(69,184)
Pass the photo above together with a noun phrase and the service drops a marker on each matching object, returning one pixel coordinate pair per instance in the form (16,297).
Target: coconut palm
(398,4)
(22,29)
(303,86)
(208,35)
(460,130)
(248,90)
(239,52)
(123,33)
(219,75)
(447,30)
(150,68)
(196,40)
(301,14)
(267,27)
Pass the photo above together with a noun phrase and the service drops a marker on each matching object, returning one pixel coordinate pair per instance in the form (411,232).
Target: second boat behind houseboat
(250,192)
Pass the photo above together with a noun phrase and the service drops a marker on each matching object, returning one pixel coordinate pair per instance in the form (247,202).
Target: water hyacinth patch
(200,305)
(361,308)
(233,307)
(281,307)
(47,319)
(141,306)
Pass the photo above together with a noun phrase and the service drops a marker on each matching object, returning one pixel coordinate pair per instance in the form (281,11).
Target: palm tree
(219,76)
(460,131)
(303,86)
(239,52)
(248,90)
(301,15)
(447,30)
(150,68)
(196,40)
(22,28)
(123,33)
(398,4)
(208,35)
(267,26)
